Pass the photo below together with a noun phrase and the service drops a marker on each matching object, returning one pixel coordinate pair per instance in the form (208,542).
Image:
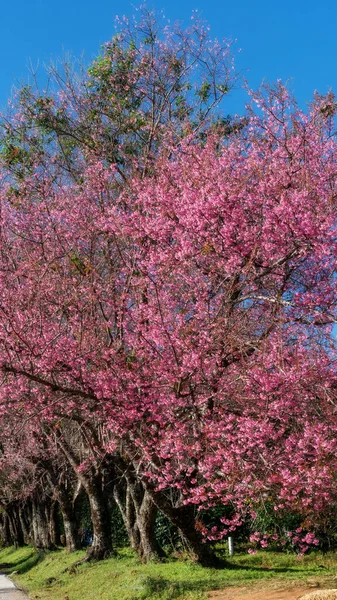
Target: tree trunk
(6,531)
(25,523)
(139,515)
(146,517)
(129,517)
(40,523)
(69,522)
(183,517)
(17,536)
(92,482)
(100,518)
(53,525)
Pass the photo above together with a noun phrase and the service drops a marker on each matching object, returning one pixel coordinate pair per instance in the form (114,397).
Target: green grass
(125,578)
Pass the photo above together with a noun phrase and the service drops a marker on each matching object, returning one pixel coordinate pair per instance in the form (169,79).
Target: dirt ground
(263,591)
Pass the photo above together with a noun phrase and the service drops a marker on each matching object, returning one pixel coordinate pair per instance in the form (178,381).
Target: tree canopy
(167,296)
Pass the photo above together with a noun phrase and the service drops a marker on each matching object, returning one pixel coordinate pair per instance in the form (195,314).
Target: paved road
(8,591)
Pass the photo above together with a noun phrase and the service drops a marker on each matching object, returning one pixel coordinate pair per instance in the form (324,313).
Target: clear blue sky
(293,40)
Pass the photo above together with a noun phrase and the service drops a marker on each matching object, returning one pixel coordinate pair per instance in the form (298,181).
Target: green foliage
(100,69)
(12,154)
(268,520)
(166,534)
(118,531)
(151,83)
(82,511)
(204,91)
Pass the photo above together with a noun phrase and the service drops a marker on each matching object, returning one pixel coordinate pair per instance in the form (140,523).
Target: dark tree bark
(100,518)
(72,542)
(62,493)
(6,531)
(25,520)
(53,525)
(146,517)
(92,482)
(16,532)
(183,517)
(139,514)
(180,515)
(127,510)
(41,524)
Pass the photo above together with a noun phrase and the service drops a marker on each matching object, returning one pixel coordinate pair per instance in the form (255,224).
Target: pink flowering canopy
(189,311)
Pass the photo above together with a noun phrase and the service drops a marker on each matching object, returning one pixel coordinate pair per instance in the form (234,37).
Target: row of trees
(167,299)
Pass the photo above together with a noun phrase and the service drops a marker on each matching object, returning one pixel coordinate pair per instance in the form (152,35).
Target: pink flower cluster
(298,541)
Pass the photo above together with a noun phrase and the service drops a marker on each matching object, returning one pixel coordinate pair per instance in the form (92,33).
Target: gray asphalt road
(8,591)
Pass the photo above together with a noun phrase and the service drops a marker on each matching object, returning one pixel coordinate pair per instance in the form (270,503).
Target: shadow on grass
(170,590)
(250,566)
(159,587)
(24,564)
(262,569)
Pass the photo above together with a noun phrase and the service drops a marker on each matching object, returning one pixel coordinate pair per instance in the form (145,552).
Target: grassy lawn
(125,578)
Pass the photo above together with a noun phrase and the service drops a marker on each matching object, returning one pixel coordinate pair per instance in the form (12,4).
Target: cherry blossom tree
(152,82)
(149,88)
(188,312)
(36,479)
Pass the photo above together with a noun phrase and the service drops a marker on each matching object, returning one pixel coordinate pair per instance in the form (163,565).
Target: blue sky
(289,40)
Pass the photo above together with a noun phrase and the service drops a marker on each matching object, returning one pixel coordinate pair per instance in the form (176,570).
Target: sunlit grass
(125,578)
